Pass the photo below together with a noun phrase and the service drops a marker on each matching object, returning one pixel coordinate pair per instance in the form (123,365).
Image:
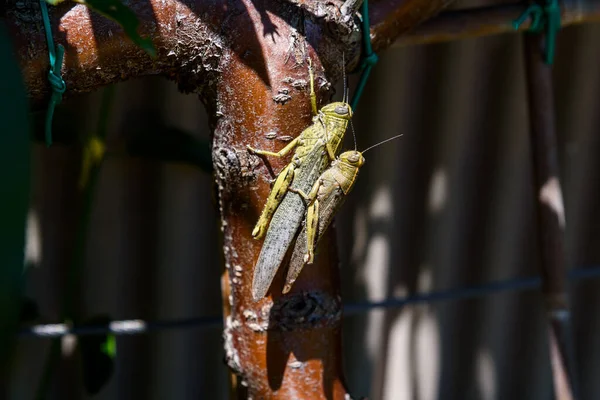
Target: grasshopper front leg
(281,153)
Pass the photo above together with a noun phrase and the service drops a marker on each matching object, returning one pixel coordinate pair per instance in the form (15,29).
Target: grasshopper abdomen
(324,200)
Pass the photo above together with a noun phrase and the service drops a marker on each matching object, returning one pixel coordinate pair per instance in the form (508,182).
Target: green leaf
(121,14)
(98,353)
(109,346)
(14,193)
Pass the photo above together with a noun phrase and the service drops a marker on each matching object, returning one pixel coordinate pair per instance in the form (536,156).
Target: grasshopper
(283,212)
(325,198)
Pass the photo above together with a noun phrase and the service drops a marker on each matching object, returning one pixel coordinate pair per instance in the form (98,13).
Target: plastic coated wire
(56,81)
(543,16)
(370,58)
(137,326)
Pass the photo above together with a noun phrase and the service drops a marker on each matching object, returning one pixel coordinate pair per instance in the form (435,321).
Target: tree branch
(97,51)
(392,18)
(281,347)
(188,37)
(248,61)
(461,24)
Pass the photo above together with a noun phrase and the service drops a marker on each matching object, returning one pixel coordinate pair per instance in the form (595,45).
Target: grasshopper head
(352,157)
(338,109)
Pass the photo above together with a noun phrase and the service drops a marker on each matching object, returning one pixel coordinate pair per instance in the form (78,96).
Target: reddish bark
(285,346)
(188,36)
(391,18)
(97,52)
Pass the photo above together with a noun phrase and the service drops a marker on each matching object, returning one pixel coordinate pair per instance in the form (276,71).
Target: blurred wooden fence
(448,205)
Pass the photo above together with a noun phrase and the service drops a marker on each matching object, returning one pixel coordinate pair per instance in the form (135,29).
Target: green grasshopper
(324,200)
(283,212)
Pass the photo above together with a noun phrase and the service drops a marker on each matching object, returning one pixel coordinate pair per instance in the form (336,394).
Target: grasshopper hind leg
(312,222)
(280,187)
(306,241)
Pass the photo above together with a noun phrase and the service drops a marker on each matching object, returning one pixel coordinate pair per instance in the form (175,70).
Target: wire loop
(546,16)
(55,79)
(370,58)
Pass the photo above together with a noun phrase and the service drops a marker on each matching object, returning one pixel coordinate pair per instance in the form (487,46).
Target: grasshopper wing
(329,202)
(286,221)
(334,185)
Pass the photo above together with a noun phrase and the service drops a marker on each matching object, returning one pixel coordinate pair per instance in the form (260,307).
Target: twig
(461,24)
(550,215)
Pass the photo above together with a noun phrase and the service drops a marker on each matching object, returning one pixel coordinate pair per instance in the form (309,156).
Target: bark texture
(189,37)
(285,346)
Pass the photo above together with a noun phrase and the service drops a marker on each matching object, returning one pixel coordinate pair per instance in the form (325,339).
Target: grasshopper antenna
(385,141)
(353,134)
(346,91)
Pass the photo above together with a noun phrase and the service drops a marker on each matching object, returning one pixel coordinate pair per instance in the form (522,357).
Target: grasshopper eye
(342,110)
(353,158)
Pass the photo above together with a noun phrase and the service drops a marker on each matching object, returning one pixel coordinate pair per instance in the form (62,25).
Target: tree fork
(248,62)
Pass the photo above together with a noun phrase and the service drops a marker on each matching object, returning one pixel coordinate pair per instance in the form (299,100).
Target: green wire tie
(370,58)
(56,81)
(543,16)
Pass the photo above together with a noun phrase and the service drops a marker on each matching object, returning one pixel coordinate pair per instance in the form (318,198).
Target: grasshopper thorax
(338,109)
(353,158)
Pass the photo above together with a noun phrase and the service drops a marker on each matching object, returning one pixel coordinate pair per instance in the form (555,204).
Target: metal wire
(138,326)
